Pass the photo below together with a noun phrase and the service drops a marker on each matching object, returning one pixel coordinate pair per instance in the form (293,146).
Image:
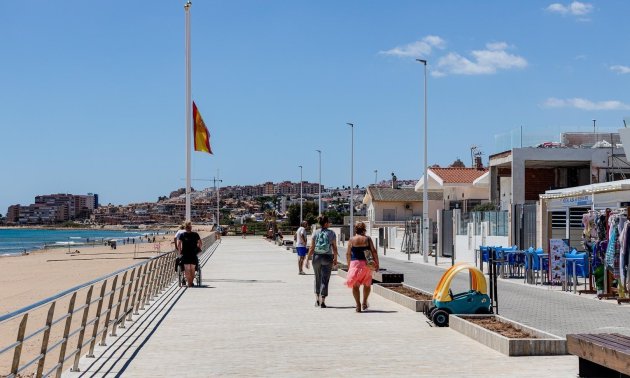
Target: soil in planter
(503,329)
(410,293)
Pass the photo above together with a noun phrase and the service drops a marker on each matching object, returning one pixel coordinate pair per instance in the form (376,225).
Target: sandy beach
(30,278)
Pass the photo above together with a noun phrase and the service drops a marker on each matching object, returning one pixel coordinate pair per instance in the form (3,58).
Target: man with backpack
(323,250)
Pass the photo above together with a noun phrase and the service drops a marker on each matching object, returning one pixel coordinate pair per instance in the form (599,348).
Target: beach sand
(27,279)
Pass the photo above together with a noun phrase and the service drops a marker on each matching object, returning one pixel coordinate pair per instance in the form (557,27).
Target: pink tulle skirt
(358,274)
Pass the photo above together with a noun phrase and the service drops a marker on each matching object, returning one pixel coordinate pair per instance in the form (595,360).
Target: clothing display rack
(606,238)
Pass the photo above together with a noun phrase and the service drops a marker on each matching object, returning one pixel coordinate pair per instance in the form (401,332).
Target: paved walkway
(255,317)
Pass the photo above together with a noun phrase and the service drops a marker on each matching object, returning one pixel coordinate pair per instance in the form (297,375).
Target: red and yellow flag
(202,135)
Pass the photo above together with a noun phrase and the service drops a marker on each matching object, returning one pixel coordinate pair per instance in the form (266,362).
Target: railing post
(86,310)
(120,297)
(122,320)
(45,338)
(167,266)
(138,294)
(18,349)
(109,312)
(66,331)
(165,270)
(144,287)
(97,320)
(148,294)
(160,278)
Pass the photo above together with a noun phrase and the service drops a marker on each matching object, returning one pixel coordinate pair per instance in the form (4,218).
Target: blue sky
(92,93)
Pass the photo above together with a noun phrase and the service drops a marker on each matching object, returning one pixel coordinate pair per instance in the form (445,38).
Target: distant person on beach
(244,230)
(300,245)
(189,244)
(359,248)
(324,249)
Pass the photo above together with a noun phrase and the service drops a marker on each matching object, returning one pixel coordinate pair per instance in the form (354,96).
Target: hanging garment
(623,259)
(610,251)
(601,227)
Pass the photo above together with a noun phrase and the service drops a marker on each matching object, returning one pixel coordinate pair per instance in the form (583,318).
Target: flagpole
(188,109)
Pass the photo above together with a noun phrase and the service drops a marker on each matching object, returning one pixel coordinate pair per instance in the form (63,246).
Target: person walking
(323,250)
(362,259)
(300,246)
(244,230)
(182,229)
(189,244)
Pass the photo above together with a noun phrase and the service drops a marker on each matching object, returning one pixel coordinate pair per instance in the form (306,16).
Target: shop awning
(577,191)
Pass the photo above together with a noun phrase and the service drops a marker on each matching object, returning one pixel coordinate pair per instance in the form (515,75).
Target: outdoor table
(573,261)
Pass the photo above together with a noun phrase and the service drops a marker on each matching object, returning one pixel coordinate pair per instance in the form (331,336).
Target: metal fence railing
(497,222)
(46,342)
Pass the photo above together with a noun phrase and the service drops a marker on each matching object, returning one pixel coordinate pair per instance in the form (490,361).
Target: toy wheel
(440,318)
(429,311)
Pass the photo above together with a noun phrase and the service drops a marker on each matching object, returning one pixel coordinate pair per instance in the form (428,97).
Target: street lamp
(375,176)
(319,203)
(351,177)
(425,195)
(300,195)
(216,189)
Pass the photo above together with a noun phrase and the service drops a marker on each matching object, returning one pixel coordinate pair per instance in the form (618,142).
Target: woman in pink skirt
(359,273)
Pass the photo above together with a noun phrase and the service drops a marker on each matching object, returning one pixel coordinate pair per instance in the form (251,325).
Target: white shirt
(301,237)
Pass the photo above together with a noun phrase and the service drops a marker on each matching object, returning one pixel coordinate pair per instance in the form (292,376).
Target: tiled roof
(458,175)
(399,195)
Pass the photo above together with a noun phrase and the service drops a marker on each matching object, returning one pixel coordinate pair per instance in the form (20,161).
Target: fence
(497,222)
(121,295)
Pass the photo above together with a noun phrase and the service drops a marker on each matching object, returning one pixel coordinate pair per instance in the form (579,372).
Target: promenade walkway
(256,317)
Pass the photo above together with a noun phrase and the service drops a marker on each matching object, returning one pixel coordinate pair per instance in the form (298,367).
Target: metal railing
(122,294)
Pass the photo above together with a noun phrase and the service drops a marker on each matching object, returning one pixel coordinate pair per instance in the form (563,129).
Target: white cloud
(583,104)
(620,69)
(418,49)
(575,8)
(482,62)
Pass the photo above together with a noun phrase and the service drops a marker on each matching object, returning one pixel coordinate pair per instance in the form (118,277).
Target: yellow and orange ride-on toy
(473,301)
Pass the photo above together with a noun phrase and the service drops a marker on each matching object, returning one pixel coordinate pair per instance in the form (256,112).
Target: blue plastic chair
(484,253)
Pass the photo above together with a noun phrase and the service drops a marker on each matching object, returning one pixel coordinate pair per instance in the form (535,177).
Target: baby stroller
(180,273)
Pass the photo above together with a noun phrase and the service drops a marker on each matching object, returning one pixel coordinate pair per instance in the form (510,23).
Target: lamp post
(216,189)
(300,194)
(425,195)
(375,176)
(351,177)
(319,202)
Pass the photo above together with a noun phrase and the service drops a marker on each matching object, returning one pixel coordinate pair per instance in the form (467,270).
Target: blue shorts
(301,251)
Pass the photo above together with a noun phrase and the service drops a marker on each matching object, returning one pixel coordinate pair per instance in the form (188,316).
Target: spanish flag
(202,135)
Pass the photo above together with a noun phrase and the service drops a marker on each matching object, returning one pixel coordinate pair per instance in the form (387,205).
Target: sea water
(15,241)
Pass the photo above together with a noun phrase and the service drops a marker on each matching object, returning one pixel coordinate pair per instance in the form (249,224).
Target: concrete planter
(545,344)
(403,300)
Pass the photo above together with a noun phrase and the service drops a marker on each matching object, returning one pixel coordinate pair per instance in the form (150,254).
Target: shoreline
(56,269)
(99,227)
(48,246)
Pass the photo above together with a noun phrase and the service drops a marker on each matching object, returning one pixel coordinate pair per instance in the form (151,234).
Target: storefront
(561,210)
